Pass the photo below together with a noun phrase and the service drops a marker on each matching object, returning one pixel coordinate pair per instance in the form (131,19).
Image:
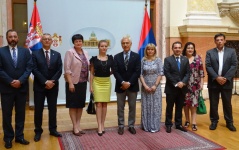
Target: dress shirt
(220,59)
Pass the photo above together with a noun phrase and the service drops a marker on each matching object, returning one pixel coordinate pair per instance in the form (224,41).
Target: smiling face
(126,44)
(190,50)
(78,43)
(177,49)
(103,46)
(12,38)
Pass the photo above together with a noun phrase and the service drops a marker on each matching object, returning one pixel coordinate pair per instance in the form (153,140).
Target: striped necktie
(126,60)
(14,57)
(47,59)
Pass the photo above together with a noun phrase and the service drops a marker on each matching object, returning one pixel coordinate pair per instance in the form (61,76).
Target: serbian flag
(147,35)
(35,31)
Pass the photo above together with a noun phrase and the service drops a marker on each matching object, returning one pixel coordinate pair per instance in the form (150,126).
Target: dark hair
(177,42)
(10,30)
(185,48)
(77,37)
(219,34)
(102,41)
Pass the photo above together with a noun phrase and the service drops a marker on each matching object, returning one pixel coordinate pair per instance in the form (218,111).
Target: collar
(221,50)
(49,51)
(12,47)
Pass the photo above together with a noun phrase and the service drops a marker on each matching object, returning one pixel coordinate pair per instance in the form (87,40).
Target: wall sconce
(24,23)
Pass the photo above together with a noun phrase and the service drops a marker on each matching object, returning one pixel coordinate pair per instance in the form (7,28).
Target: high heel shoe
(76,134)
(187,123)
(194,127)
(100,134)
(103,132)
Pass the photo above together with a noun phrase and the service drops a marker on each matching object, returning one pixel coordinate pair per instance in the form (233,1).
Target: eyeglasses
(47,39)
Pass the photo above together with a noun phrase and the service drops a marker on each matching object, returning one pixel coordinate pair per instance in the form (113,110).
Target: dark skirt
(76,99)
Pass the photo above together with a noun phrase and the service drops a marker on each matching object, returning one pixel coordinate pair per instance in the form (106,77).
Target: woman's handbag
(201,109)
(91,105)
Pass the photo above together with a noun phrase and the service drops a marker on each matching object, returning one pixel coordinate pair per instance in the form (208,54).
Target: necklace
(103,65)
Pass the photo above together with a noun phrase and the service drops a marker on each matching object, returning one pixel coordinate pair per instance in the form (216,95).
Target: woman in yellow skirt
(100,83)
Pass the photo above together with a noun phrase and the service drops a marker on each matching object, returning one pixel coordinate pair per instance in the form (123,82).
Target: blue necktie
(178,62)
(14,57)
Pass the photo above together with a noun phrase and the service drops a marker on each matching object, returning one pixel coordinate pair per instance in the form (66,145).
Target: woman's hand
(153,88)
(91,90)
(71,88)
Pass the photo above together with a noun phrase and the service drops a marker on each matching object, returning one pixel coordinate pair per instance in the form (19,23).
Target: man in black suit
(47,69)
(221,65)
(126,71)
(15,68)
(176,71)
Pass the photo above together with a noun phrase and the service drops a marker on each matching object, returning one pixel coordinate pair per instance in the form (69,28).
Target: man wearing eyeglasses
(47,69)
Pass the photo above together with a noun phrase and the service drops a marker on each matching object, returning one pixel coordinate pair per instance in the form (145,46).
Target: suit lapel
(10,56)
(215,53)
(225,55)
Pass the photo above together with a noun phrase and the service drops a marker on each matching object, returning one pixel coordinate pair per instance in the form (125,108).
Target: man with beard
(15,68)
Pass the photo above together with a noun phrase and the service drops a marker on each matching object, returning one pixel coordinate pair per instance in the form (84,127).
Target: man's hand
(180,84)
(16,84)
(221,80)
(49,84)
(125,85)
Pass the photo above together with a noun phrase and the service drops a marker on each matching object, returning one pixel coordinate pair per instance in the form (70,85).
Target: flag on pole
(35,31)
(147,35)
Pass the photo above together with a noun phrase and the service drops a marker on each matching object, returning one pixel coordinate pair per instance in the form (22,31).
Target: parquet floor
(221,135)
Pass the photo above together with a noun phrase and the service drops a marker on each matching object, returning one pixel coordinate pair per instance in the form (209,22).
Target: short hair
(219,34)
(185,48)
(46,34)
(126,37)
(150,45)
(102,41)
(177,42)
(77,37)
(10,30)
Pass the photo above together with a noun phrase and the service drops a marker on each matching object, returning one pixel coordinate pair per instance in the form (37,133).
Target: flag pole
(146,3)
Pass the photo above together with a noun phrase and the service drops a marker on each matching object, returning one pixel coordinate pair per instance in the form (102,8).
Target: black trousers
(39,100)
(8,101)
(214,96)
(177,99)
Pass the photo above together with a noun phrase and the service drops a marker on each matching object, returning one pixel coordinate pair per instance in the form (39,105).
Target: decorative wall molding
(230,9)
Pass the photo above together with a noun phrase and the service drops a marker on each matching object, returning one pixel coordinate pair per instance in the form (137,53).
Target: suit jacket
(73,64)
(173,75)
(8,72)
(130,75)
(41,71)
(228,70)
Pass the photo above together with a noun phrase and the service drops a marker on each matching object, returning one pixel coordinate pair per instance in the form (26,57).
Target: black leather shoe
(22,141)
(121,130)
(37,137)
(213,126)
(231,127)
(132,130)
(8,144)
(168,129)
(180,127)
(56,134)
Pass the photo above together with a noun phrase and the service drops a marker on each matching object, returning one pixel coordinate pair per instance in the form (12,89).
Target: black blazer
(41,71)
(228,70)
(173,75)
(8,72)
(130,75)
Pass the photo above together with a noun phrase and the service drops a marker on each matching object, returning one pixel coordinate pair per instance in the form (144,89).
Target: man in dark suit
(15,68)
(47,69)
(221,65)
(126,71)
(176,71)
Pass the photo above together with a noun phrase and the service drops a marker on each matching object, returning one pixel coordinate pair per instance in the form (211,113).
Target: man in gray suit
(15,68)
(221,64)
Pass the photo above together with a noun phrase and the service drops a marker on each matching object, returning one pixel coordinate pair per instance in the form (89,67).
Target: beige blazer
(73,64)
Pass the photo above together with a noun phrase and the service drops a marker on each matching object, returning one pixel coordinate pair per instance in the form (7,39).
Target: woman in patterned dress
(76,67)
(100,83)
(151,95)
(195,84)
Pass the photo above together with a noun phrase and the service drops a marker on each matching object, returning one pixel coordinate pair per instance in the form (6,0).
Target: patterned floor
(176,140)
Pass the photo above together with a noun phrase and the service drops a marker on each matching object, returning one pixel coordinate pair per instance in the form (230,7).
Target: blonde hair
(150,45)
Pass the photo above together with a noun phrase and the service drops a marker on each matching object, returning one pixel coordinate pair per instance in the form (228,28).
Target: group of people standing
(184,80)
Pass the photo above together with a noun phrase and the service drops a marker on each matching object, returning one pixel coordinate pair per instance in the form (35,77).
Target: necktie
(47,59)
(126,60)
(14,57)
(178,62)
